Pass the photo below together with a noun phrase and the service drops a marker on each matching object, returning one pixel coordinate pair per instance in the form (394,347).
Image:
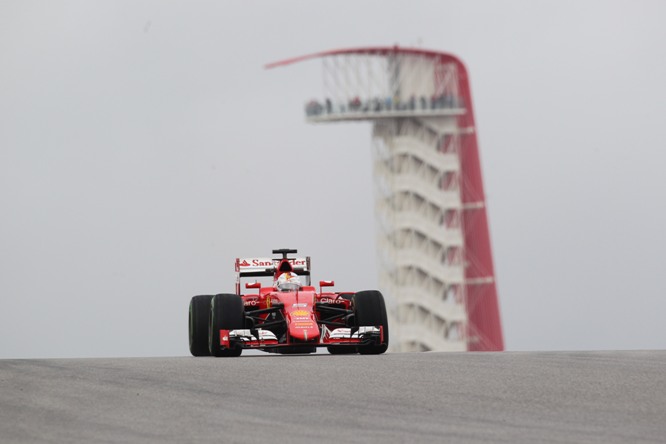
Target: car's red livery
(295,321)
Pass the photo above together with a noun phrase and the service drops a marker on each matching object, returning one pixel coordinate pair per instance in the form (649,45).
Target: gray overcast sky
(143,147)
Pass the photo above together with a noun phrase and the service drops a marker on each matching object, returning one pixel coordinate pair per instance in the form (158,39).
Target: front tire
(370,310)
(198,325)
(226,313)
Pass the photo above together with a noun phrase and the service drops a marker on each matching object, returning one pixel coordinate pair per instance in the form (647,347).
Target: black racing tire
(198,325)
(370,309)
(226,313)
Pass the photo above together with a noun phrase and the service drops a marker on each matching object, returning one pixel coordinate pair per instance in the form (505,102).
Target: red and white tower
(435,261)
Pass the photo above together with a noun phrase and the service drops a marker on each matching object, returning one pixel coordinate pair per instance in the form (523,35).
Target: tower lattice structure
(433,243)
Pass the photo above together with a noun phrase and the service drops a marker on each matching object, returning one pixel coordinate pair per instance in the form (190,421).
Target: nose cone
(303,327)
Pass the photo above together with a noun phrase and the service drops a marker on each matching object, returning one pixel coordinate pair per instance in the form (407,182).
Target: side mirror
(326,283)
(253,285)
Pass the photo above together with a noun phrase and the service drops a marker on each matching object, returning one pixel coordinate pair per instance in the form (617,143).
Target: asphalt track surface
(423,397)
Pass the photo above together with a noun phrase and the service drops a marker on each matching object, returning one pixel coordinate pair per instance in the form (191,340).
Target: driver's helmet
(288,281)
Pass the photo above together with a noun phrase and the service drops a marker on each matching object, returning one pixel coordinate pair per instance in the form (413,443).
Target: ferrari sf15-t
(295,320)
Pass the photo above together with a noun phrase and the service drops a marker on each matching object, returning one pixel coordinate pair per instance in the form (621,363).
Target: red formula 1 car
(288,318)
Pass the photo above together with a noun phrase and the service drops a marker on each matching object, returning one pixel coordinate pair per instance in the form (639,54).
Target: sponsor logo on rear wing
(248,265)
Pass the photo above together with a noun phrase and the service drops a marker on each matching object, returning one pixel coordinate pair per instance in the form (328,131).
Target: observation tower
(433,244)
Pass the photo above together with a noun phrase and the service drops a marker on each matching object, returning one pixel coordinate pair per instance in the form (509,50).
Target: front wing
(265,339)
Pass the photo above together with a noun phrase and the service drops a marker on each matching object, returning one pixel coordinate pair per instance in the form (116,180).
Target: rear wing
(267,267)
(258,267)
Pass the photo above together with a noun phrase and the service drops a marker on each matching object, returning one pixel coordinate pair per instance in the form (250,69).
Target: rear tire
(198,325)
(226,313)
(370,309)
